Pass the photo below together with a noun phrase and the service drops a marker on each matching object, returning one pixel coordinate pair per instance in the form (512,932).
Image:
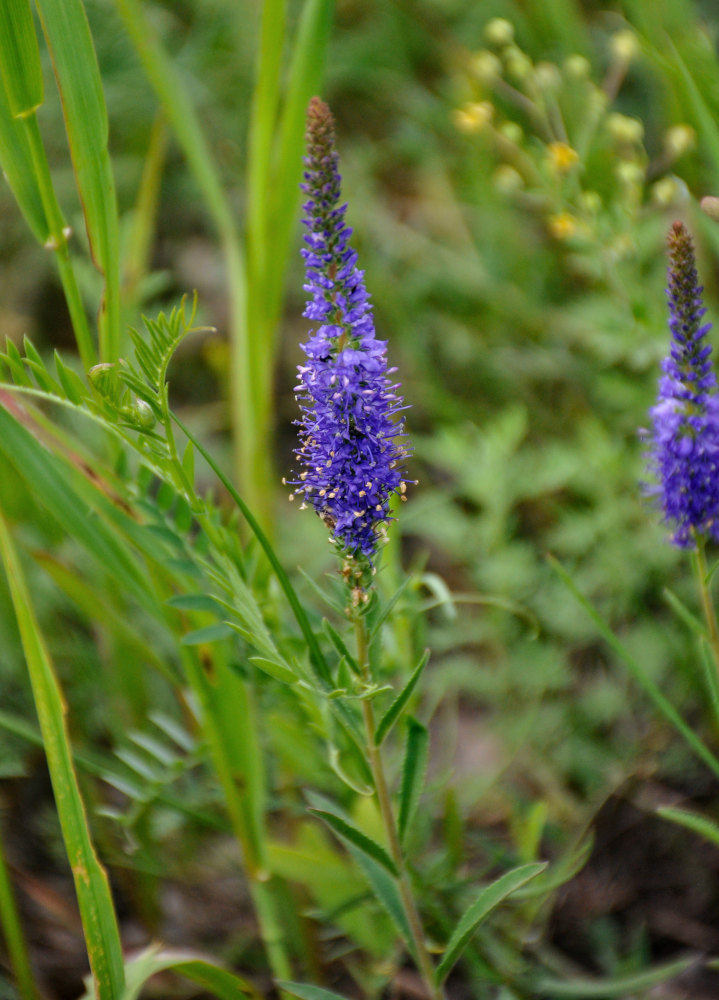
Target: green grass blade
(48,479)
(700,825)
(305,991)
(413,772)
(489,898)
(78,77)
(20,67)
(14,936)
(662,703)
(304,81)
(91,885)
(615,986)
(17,165)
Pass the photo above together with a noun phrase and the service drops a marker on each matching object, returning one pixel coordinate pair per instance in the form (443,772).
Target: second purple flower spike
(351,437)
(684,449)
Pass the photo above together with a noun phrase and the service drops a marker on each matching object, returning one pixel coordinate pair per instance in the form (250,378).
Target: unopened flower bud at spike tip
(684,441)
(351,429)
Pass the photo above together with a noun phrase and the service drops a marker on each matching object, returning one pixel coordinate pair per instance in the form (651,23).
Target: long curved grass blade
(661,702)
(17,165)
(489,898)
(20,67)
(349,833)
(700,825)
(68,36)
(614,986)
(91,885)
(14,936)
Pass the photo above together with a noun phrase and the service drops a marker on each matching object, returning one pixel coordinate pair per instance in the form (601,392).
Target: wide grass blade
(20,58)
(17,165)
(91,885)
(78,77)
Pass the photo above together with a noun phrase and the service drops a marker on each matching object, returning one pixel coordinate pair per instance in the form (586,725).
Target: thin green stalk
(14,936)
(230,728)
(97,911)
(424,960)
(57,241)
(702,574)
(182,116)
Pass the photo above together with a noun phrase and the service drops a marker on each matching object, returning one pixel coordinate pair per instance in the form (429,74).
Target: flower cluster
(684,450)
(351,449)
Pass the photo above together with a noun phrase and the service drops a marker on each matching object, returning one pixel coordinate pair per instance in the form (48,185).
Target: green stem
(707,603)
(422,955)
(14,937)
(57,241)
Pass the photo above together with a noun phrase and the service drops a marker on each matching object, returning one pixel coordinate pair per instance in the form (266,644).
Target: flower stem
(700,566)
(422,956)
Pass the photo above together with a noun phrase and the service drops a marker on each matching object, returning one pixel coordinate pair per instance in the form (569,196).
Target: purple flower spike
(684,450)
(351,449)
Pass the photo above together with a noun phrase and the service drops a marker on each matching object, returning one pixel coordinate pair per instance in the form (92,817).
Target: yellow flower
(562,157)
(562,226)
(473,116)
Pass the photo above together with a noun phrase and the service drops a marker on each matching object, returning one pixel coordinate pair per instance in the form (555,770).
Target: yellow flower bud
(710,205)
(507,180)
(629,172)
(665,191)
(679,139)
(577,67)
(624,46)
(562,157)
(473,116)
(562,226)
(547,77)
(499,32)
(512,132)
(518,64)
(624,129)
(485,66)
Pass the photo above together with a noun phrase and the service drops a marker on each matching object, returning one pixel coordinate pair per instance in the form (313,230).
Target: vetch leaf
(413,772)
(360,840)
(392,713)
(489,898)
(386,892)
(210,633)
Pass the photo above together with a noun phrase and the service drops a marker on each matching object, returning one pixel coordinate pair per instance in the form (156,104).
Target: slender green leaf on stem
(385,889)
(78,77)
(318,660)
(306,991)
(48,480)
(340,645)
(14,936)
(223,984)
(91,885)
(683,612)
(651,689)
(394,710)
(613,986)
(387,608)
(413,772)
(360,840)
(489,898)
(20,67)
(701,825)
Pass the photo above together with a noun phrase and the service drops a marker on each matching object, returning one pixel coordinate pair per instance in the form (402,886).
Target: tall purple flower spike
(351,438)
(684,442)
